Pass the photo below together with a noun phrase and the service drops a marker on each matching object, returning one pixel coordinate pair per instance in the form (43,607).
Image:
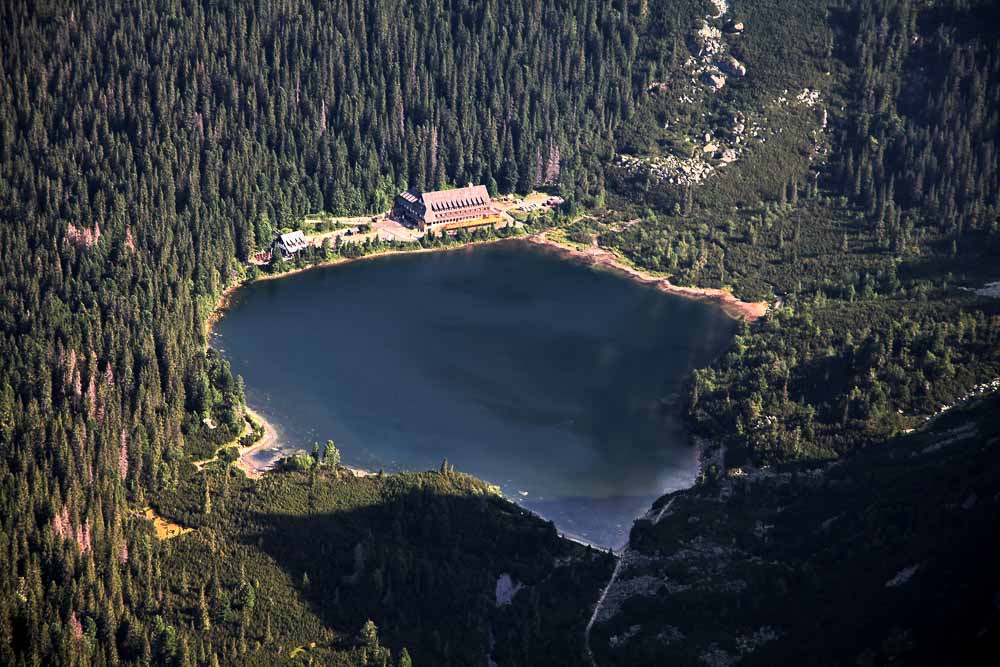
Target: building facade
(447,210)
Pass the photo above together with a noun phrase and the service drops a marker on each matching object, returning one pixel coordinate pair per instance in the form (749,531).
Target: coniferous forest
(148,149)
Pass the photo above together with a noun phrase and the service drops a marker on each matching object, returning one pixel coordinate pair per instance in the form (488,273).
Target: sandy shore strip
(245,461)
(604,258)
(271,439)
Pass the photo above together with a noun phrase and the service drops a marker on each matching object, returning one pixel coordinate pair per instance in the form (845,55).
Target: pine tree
(369,635)
(331,455)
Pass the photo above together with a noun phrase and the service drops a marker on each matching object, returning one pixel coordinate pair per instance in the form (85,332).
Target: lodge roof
(445,205)
(447,200)
(293,241)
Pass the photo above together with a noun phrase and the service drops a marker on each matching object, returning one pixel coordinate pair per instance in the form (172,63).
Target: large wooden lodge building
(447,210)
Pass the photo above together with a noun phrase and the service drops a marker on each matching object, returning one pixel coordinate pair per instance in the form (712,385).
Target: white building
(291,243)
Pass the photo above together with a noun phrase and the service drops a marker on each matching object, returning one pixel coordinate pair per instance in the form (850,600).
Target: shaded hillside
(887,556)
(322,552)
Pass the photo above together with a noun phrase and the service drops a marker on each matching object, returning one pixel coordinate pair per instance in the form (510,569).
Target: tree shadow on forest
(975,261)
(424,567)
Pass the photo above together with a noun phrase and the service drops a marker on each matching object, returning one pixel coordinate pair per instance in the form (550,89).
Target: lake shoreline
(599,257)
(267,440)
(271,439)
(222,304)
(595,256)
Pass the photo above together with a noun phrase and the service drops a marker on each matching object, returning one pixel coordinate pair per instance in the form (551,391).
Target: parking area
(391,230)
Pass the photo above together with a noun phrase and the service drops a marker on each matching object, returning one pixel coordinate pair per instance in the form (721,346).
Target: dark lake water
(555,381)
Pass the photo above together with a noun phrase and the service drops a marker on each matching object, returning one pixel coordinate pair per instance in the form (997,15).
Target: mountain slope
(884,556)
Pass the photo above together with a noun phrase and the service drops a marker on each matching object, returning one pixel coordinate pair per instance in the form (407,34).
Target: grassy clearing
(164,529)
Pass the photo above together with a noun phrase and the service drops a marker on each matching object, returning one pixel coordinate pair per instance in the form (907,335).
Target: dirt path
(604,595)
(246,430)
(602,257)
(597,608)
